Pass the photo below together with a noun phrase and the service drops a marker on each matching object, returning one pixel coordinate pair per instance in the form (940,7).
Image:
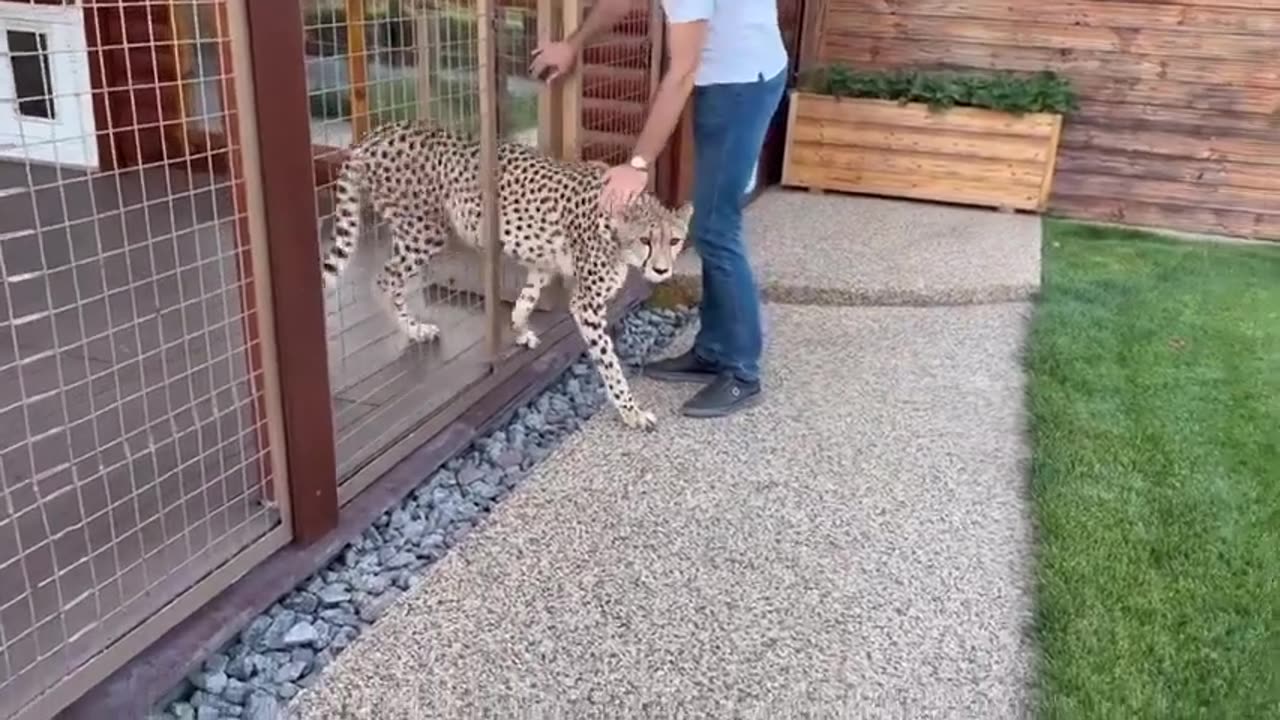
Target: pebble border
(287,647)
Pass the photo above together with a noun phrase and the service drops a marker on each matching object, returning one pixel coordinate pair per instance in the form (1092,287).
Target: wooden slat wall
(1179,124)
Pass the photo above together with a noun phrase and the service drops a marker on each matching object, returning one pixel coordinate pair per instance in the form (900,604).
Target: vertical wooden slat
(571,87)
(490,221)
(185,41)
(425,42)
(97,21)
(550,105)
(284,137)
(244,160)
(657,38)
(815,15)
(237,127)
(786,146)
(357,68)
(1046,188)
(502,99)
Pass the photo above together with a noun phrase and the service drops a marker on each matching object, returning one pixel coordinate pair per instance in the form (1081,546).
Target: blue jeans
(729,125)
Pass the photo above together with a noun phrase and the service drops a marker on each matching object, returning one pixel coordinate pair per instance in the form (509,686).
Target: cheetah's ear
(682,216)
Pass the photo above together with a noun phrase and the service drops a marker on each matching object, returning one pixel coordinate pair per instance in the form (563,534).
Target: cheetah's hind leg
(413,246)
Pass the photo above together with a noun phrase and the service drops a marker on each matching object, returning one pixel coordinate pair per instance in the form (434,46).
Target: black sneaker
(725,396)
(686,368)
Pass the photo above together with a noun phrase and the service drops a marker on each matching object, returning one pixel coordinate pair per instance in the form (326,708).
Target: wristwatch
(639,163)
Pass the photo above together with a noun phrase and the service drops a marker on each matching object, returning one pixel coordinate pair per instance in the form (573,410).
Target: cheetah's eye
(676,240)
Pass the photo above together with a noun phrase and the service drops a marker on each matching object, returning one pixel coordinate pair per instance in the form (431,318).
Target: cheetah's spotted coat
(424,183)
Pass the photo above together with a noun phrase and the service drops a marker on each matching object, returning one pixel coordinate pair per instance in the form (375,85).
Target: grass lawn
(1155,396)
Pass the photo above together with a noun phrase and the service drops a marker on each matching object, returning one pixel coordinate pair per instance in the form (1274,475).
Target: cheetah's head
(653,236)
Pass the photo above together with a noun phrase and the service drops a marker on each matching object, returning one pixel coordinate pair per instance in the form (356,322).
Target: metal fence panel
(619,76)
(371,62)
(135,443)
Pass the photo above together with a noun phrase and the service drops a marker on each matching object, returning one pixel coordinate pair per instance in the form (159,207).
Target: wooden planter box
(969,156)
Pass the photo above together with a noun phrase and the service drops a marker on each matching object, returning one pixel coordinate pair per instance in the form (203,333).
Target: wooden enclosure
(1179,124)
(193,425)
(969,156)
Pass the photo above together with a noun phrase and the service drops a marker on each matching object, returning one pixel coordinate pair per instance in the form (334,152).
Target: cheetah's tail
(346,225)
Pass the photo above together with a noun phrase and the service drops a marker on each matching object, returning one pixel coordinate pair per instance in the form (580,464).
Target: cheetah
(423,181)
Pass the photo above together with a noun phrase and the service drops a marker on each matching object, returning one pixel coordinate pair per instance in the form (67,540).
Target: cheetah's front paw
(638,419)
(528,339)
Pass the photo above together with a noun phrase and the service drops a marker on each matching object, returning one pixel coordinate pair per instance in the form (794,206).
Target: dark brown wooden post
(284,132)
(813,16)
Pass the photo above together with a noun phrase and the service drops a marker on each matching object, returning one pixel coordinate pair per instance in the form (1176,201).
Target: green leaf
(1044,91)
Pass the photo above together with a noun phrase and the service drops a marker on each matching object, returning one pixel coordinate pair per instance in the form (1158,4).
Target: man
(729,55)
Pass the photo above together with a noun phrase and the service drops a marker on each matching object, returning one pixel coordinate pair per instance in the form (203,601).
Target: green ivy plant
(1044,91)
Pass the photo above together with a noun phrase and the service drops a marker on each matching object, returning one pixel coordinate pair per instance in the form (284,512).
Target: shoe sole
(673,376)
(744,404)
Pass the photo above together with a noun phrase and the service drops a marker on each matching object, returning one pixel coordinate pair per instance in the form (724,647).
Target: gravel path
(287,648)
(858,546)
(809,250)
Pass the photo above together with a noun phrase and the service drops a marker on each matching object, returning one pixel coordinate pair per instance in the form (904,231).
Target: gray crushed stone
(286,648)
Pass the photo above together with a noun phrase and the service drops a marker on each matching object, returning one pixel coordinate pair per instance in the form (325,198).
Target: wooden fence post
(284,132)
(425,41)
(550,104)
(357,69)
(571,88)
(657,55)
(814,16)
(490,221)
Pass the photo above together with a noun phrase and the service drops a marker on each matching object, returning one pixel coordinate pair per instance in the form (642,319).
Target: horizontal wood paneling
(1245,17)
(875,147)
(1179,124)
(1123,66)
(936,141)
(1077,38)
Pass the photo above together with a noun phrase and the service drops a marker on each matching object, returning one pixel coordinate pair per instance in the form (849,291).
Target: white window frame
(70,138)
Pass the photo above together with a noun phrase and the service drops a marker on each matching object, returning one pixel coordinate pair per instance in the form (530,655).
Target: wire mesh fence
(618,76)
(134,452)
(517,36)
(135,448)
(369,63)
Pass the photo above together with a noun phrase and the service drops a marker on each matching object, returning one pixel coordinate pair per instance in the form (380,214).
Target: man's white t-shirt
(744,43)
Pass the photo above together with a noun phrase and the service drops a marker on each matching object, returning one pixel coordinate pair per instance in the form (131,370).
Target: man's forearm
(668,105)
(603,16)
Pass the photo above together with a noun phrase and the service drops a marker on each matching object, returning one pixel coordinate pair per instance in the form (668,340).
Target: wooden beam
(815,16)
(357,69)
(571,87)
(657,47)
(182,25)
(490,220)
(289,200)
(550,103)
(425,41)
